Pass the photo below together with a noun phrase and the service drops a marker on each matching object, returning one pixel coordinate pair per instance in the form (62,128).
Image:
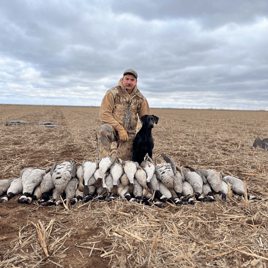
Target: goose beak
(253,149)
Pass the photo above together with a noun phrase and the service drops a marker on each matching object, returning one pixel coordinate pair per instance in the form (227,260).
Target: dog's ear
(155,119)
(144,118)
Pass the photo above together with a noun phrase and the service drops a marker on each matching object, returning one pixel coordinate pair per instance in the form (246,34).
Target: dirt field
(125,234)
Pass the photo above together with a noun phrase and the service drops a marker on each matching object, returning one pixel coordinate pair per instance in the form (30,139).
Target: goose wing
(265,144)
(169,160)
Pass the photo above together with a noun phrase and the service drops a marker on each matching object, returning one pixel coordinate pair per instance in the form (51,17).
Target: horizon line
(151,107)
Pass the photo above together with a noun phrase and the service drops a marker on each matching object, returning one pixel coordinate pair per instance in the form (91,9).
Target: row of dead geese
(149,183)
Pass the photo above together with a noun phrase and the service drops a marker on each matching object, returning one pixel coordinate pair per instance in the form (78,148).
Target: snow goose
(61,174)
(102,181)
(90,185)
(195,180)
(166,174)
(149,167)
(213,178)
(261,143)
(216,183)
(154,185)
(187,189)
(31,178)
(141,177)
(238,186)
(224,190)
(130,169)
(124,180)
(4,185)
(104,165)
(178,180)
(51,202)
(96,176)
(70,191)
(109,189)
(122,191)
(46,187)
(201,172)
(37,193)
(138,190)
(79,195)
(80,176)
(206,192)
(116,172)
(109,183)
(14,189)
(100,191)
(166,194)
(188,193)
(89,189)
(89,169)
(178,176)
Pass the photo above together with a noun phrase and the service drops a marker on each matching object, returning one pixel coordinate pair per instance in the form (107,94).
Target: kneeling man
(119,112)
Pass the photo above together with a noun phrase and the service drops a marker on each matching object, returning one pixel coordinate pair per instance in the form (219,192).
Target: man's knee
(105,134)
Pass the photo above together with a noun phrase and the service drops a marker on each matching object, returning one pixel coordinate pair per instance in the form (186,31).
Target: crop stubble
(123,234)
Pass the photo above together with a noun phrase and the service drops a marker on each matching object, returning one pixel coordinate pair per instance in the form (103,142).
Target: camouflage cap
(132,72)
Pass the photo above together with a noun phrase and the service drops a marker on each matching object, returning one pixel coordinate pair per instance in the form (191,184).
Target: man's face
(129,82)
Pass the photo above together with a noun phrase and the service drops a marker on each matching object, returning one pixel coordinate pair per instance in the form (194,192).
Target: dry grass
(206,234)
(36,243)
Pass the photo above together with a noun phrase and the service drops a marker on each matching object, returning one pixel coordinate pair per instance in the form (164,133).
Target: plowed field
(125,234)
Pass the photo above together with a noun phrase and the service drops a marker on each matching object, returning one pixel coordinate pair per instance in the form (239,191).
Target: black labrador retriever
(143,142)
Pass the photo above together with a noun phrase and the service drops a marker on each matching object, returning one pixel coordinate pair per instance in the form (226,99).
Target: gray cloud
(71,53)
(207,13)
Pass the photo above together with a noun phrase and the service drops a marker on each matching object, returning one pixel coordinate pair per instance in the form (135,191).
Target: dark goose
(261,143)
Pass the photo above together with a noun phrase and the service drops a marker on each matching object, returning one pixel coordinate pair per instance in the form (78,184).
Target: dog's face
(149,120)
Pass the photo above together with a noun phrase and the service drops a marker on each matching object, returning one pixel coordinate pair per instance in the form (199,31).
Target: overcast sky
(187,53)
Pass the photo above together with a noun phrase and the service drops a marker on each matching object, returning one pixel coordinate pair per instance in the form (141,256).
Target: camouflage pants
(108,143)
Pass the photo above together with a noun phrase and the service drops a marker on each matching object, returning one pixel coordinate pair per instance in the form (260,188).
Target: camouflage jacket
(118,107)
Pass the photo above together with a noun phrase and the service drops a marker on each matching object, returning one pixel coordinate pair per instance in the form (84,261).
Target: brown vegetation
(125,234)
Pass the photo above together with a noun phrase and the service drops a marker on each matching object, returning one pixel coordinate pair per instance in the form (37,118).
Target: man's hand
(123,136)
